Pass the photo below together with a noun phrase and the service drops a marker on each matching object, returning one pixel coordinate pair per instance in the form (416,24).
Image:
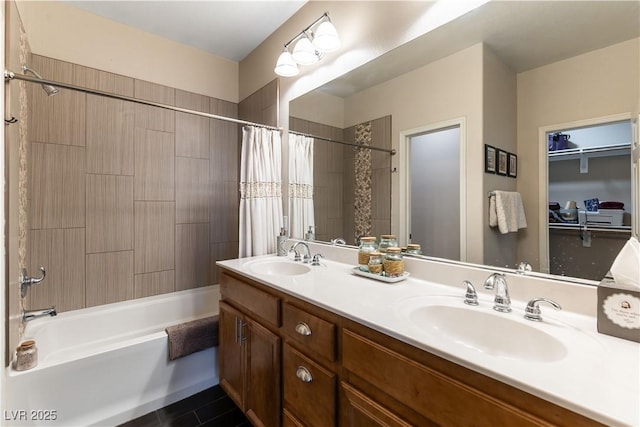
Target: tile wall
(334,179)
(126,200)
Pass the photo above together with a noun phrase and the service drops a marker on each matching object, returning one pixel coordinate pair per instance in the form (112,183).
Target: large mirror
(505,75)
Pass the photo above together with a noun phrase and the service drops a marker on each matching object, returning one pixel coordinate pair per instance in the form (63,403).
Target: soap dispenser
(310,234)
(282,240)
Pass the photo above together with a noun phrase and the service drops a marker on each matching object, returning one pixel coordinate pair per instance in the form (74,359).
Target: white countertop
(599,376)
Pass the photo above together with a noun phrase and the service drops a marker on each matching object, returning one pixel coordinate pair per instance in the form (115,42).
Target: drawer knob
(304,375)
(303,329)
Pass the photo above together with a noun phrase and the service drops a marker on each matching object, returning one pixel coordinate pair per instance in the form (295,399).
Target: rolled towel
(193,336)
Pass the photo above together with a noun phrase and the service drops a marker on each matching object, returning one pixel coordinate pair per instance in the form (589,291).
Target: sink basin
(279,268)
(487,332)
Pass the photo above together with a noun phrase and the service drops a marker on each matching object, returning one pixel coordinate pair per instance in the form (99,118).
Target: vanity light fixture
(310,46)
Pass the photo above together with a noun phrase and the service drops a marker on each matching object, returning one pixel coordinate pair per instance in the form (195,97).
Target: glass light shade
(326,37)
(286,66)
(304,53)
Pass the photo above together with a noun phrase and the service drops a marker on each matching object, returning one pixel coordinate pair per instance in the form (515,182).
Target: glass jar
(26,356)
(414,249)
(387,241)
(375,262)
(367,246)
(393,263)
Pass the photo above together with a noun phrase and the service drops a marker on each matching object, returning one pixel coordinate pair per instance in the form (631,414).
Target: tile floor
(209,408)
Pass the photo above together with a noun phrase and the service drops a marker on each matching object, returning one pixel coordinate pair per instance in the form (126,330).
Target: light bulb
(286,66)
(304,53)
(326,37)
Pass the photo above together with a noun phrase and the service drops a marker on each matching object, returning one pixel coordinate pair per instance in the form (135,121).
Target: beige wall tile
(192,256)
(62,253)
(154,236)
(154,165)
(225,150)
(109,213)
(109,277)
(193,196)
(156,118)
(105,81)
(57,186)
(109,136)
(192,132)
(224,211)
(149,284)
(58,119)
(223,108)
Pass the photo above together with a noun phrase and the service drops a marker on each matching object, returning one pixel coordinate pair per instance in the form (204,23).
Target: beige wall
(597,84)
(499,130)
(58,30)
(319,107)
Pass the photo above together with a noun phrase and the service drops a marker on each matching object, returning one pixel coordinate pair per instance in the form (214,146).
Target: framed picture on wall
(501,162)
(489,159)
(512,165)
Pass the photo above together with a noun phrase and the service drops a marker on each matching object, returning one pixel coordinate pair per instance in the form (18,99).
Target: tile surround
(126,200)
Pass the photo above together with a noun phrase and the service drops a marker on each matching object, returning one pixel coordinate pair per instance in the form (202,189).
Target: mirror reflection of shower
(51,90)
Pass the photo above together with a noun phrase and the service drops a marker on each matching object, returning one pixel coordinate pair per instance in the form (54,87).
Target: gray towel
(193,336)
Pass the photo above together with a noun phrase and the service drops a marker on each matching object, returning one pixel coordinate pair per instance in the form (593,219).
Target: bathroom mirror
(524,36)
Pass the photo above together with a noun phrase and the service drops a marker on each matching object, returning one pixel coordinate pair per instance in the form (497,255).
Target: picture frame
(512,165)
(489,159)
(502,163)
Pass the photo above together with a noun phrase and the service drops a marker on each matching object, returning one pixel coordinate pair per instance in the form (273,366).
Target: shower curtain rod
(9,75)
(386,150)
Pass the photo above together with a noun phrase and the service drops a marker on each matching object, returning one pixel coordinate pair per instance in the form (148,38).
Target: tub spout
(28,315)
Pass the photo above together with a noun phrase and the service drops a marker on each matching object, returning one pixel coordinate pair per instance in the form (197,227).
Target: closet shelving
(585,153)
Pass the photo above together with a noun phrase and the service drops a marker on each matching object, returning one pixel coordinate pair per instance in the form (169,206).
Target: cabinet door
(231,354)
(359,410)
(263,376)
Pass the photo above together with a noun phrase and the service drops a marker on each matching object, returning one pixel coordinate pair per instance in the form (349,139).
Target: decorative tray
(379,277)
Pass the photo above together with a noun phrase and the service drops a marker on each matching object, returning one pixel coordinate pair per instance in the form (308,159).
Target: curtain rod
(9,75)
(386,150)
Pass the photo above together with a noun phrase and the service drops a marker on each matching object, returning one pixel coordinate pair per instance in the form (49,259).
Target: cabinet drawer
(309,389)
(256,302)
(358,410)
(317,335)
(427,391)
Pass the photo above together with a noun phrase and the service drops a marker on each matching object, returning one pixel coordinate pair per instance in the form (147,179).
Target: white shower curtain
(260,191)
(300,185)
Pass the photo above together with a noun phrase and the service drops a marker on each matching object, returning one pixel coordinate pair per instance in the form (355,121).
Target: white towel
(506,211)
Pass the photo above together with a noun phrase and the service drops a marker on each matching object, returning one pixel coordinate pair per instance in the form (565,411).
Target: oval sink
(488,333)
(279,268)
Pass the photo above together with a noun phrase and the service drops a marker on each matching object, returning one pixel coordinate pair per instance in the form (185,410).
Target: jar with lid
(376,260)
(367,246)
(414,249)
(393,263)
(26,356)
(387,241)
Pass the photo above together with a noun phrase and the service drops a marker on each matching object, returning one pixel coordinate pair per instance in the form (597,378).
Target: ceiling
(523,34)
(230,29)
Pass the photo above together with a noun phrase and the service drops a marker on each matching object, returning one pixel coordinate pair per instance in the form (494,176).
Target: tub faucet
(502,302)
(307,255)
(28,315)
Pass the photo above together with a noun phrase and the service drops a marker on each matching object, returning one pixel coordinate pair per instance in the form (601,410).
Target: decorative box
(618,310)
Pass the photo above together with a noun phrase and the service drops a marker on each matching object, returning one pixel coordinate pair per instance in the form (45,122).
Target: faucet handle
(471,297)
(524,267)
(532,311)
(316,259)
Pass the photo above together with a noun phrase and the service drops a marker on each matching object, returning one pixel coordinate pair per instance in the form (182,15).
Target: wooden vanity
(286,362)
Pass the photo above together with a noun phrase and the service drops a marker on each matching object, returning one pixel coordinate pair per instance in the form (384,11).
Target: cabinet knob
(304,375)
(303,329)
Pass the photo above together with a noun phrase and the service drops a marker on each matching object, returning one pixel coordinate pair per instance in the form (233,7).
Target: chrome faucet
(502,302)
(338,241)
(28,315)
(307,255)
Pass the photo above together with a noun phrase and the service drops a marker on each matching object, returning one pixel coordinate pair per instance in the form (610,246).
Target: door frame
(543,177)
(404,175)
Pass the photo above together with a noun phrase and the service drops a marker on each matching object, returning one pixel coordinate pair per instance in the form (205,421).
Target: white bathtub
(109,364)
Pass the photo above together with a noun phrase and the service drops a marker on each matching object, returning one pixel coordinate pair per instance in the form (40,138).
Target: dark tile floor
(209,408)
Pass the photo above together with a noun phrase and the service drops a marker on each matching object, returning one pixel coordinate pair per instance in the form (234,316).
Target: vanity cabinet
(337,372)
(250,353)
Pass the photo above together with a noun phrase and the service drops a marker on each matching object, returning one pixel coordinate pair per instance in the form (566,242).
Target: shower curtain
(300,185)
(260,191)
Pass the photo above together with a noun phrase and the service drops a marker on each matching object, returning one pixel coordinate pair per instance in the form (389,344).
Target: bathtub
(106,365)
